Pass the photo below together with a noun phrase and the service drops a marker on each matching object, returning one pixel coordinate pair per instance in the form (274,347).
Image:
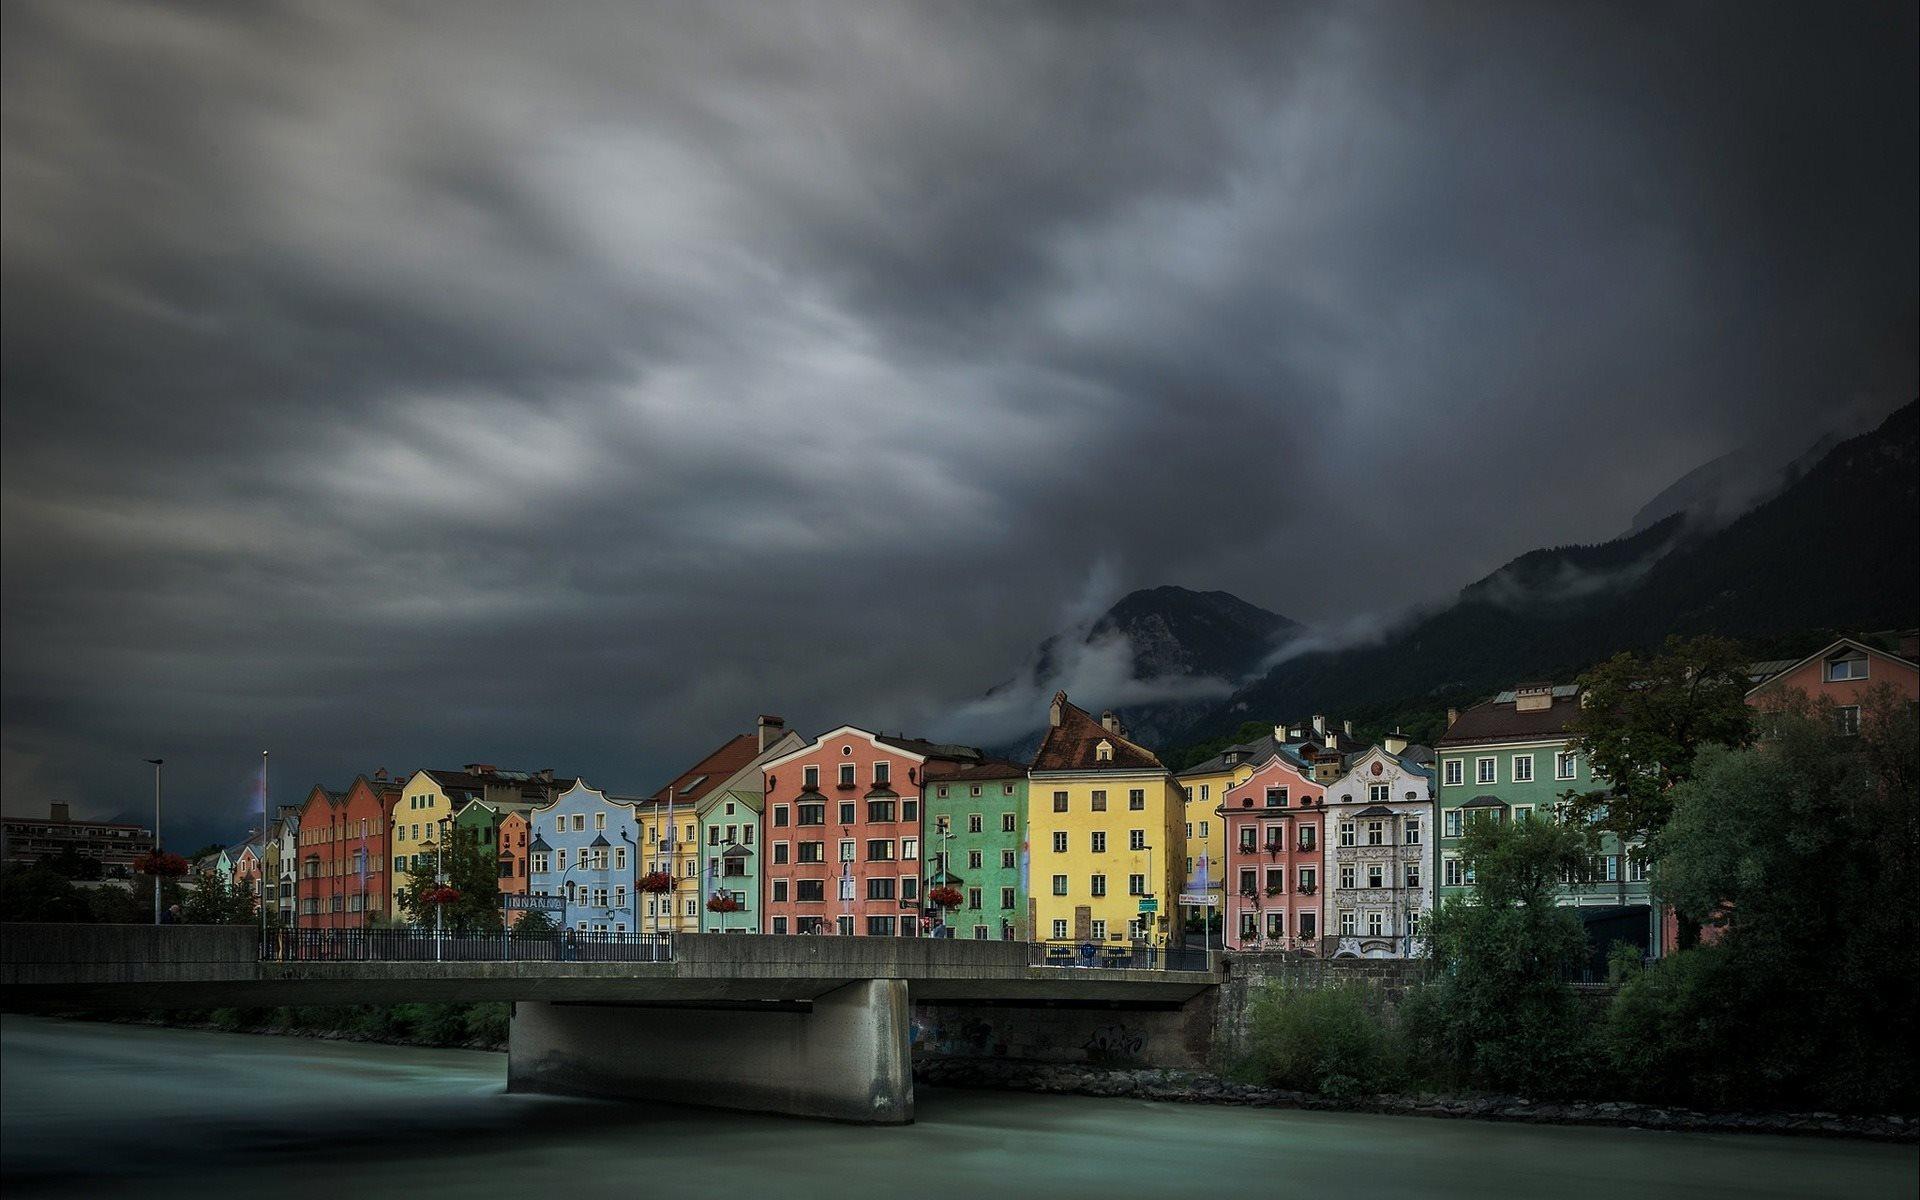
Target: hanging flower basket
(723,903)
(656,881)
(443,894)
(945,897)
(160,863)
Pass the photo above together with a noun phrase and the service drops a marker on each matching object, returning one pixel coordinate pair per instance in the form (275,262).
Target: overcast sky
(408,385)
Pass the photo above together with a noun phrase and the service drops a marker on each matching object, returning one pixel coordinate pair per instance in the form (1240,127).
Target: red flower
(723,903)
(945,897)
(160,862)
(656,881)
(443,894)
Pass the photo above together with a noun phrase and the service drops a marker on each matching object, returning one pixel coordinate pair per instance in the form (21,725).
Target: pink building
(1841,673)
(1276,864)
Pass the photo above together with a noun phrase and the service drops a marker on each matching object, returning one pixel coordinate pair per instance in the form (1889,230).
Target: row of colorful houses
(1306,839)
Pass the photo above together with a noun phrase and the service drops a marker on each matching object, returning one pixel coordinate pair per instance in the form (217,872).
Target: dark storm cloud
(407,386)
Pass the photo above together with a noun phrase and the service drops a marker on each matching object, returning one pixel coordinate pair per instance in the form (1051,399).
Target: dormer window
(1103,752)
(1849,666)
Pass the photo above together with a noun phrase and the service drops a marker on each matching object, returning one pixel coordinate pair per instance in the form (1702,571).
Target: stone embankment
(1194,1087)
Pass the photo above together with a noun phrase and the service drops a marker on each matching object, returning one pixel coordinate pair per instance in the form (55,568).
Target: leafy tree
(1330,1040)
(1644,721)
(1499,1013)
(70,864)
(39,893)
(471,869)
(216,902)
(1804,853)
(534,923)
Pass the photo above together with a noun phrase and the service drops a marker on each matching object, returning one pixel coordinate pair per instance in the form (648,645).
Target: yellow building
(1106,827)
(677,911)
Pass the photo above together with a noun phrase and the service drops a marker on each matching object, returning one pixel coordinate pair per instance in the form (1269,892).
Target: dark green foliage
(68,864)
(1644,721)
(1804,852)
(37,893)
(487,1022)
(471,869)
(1332,1040)
(534,923)
(213,901)
(1499,1014)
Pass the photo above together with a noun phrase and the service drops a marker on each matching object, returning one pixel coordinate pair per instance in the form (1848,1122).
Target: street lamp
(157,763)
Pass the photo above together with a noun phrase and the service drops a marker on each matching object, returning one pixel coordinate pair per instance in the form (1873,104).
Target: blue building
(582,848)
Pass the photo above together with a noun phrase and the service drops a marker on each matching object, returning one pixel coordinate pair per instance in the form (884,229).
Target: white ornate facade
(1379,822)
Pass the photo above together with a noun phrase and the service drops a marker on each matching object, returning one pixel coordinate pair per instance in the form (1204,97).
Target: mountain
(1837,548)
(1163,655)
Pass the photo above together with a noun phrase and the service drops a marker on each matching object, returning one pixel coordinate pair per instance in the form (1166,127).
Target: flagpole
(265,781)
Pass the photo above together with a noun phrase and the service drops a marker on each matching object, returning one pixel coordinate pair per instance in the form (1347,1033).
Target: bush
(487,1023)
(1331,1040)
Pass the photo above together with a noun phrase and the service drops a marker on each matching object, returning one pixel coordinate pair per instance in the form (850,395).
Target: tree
(1804,852)
(534,923)
(1500,1013)
(472,870)
(216,902)
(39,893)
(1643,722)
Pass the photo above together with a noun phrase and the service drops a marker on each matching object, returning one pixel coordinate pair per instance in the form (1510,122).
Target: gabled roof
(1256,751)
(1781,667)
(985,769)
(949,751)
(1498,720)
(1074,744)
(716,768)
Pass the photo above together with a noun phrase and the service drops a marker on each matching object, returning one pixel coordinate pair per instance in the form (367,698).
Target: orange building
(1841,673)
(343,854)
(513,860)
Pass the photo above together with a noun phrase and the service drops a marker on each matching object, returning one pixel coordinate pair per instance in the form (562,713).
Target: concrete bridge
(809,1026)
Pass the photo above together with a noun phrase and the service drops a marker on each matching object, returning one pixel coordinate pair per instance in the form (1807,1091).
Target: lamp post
(439,902)
(260,863)
(157,763)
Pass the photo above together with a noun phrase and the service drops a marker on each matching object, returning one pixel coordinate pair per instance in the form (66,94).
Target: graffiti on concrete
(1113,1045)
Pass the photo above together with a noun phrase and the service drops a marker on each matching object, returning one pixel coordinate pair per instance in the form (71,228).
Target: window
(846,774)
(779,891)
(1248,886)
(1451,826)
(1059,802)
(880,811)
(1308,838)
(973,898)
(812,852)
(1203,831)
(880,888)
(1379,793)
(976,823)
(1059,885)
(1006,898)
(881,926)
(1309,925)
(1523,768)
(1309,880)
(779,924)
(1565,764)
(909,887)
(1346,833)
(1137,800)
(880,850)
(1276,797)
(1484,770)
(1376,923)
(1098,841)
(1136,839)
(1276,925)
(1376,833)
(909,810)
(1413,875)
(846,849)
(1059,841)
(810,778)
(600,821)
(1007,823)
(1099,802)
(1846,719)
(1451,770)
(846,887)
(1098,883)
(847,811)
(1136,885)
(1009,860)
(941,791)
(1276,880)
(882,772)
(1636,867)
(910,849)
(1099,931)
(1852,666)
(1522,812)
(1346,875)
(973,860)
(1347,925)
(1413,831)
(813,814)
(1059,930)
(780,852)
(619,858)
(1450,872)
(1376,875)
(974,790)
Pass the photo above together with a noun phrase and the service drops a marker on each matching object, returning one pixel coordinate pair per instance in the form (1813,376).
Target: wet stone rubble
(1194,1087)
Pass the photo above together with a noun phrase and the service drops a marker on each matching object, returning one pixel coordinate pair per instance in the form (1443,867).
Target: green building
(976,843)
(1509,759)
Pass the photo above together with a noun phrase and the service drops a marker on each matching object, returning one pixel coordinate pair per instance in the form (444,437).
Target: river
(98,1110)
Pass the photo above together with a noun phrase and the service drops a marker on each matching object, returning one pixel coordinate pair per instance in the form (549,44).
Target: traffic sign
(1149,904)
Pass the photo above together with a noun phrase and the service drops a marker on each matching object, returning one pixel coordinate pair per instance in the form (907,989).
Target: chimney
(379,774)
(1054,710)
(1347,728)
(770,729)
(1396,743)
(546,774)
(1109,722)
(1532,697)
(1319,723)
(60,811)
(1280,733)
(479,768)
(1453,714)
(1333,740)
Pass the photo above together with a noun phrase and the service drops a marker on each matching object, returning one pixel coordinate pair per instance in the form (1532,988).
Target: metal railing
(1092,955)
(421,945)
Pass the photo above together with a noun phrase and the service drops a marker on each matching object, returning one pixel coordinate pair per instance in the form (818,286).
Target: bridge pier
(843,1056)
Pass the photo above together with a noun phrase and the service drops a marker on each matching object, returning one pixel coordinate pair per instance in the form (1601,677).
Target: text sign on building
(1149,904)
(534,903)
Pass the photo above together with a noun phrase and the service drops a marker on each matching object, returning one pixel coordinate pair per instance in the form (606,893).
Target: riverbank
(1195,1087)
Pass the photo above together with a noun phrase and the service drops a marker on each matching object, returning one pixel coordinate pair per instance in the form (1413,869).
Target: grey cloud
(397,386)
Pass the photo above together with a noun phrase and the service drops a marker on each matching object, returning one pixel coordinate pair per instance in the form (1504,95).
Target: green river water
(105,1110)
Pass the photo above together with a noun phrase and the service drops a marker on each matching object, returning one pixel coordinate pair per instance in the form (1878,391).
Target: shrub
(487,1022)
(1330,1040)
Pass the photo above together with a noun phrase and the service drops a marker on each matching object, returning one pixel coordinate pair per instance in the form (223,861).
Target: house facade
(843,832)
(510,843)
(1841,674)
(1510,759)
(1274,867)
(432,797)
(342,840)
(976,823)
(1378,881)
(114,846)
(1106,823)
(584,848)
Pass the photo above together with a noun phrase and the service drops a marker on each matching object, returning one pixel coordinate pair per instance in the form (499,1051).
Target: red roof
(712,771)
(1074,745)
(992,768)
(1501,721)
